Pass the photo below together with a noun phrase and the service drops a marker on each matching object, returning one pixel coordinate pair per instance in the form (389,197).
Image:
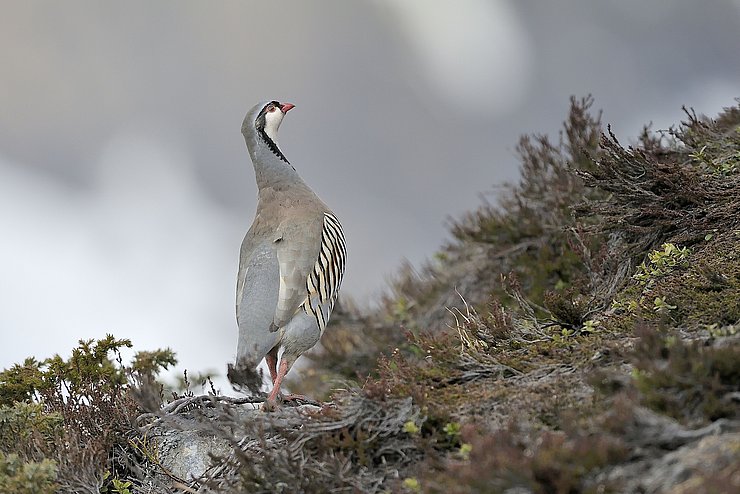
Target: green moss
(686,380)
(704,292)
(715,144)
(709,292)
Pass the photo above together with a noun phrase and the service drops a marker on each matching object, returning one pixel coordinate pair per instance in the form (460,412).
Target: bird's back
(277,257)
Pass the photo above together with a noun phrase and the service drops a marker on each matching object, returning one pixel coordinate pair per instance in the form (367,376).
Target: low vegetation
(574,334)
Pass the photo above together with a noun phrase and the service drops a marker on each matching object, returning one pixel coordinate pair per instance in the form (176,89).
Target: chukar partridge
(292,258)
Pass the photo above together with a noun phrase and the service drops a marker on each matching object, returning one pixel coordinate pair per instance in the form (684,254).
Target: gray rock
(670,458)
(683,469)
(186,454)
(185,443)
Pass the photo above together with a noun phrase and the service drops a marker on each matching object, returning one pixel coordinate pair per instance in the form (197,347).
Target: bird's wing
(244,255)
(326,277)
(297,245)
(258,284)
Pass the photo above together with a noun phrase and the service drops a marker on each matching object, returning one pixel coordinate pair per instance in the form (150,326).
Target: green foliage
(152,363)
(76,411)
(591,326)
(661,262)
(410,427)
(700,290)
(708,292)
(113,485)
(465,449)
(26,428)
(660,305)
(714,144)
(412,484)
(21,382)
(726,164)
(452,429)
(717,331)
(20,477)
(90,369)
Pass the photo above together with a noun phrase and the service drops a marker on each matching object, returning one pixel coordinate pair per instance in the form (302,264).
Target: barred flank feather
(326,277)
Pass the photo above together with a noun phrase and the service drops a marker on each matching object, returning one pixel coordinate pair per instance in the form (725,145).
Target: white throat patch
(272,124)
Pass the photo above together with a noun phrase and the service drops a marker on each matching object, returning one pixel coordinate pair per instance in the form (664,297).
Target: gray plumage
(292,258)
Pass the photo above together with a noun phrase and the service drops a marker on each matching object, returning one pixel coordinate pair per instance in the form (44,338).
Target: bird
(291,261)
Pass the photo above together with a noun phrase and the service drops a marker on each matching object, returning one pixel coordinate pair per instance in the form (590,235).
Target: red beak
(286,107)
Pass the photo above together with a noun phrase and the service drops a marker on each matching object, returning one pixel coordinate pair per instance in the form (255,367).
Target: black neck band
(273,147)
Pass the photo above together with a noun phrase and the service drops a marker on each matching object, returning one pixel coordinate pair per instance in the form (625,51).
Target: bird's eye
(271,108)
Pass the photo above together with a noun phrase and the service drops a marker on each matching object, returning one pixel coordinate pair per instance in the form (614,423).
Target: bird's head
(261,125)
(267,116)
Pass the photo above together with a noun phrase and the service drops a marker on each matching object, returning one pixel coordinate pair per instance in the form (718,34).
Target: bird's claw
(270,405)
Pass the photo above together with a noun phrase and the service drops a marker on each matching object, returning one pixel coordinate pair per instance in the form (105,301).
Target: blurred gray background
(126,188)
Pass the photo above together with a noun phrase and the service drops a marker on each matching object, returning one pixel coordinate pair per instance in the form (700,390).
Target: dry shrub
(348,350)
(546,462)
(665,191)
(355,446)
(529,230)
(694,382)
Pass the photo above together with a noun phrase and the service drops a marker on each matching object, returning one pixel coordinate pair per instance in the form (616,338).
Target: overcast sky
(125,184)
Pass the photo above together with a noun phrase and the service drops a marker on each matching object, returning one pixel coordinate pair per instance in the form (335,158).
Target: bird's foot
(270,405)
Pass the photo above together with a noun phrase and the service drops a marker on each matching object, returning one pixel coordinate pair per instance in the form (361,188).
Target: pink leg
(271,402)
(271,360)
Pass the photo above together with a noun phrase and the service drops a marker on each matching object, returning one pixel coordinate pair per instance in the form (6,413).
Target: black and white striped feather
(324,281)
